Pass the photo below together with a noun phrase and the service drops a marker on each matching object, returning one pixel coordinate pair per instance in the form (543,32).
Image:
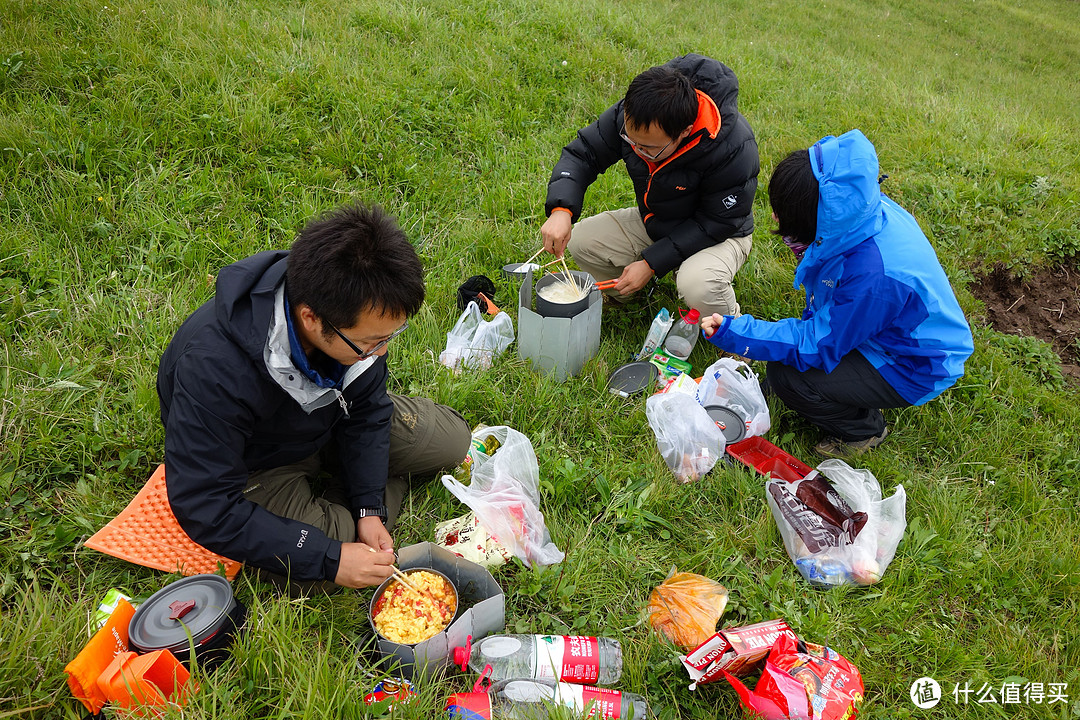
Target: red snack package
(802,681)
(739,651)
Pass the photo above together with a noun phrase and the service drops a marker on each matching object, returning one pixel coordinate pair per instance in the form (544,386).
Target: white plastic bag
(505,495)
(474,342)
(687,437)
(843,536)
(732,383)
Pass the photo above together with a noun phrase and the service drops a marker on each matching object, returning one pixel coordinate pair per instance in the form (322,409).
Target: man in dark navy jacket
(694,164)
(282,376)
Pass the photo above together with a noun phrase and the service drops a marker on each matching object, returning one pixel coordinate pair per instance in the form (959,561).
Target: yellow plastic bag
(686,607)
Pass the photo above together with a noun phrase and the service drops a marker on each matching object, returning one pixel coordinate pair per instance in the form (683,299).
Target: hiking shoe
(837,448)
(614,300)
(737,358)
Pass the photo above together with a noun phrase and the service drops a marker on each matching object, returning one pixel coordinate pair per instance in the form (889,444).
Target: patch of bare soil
(1045,305)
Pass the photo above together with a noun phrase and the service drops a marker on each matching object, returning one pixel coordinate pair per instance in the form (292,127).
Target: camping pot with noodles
(416,610)
(558,296)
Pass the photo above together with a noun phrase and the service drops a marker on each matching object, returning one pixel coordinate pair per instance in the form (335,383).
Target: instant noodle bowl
(405,616)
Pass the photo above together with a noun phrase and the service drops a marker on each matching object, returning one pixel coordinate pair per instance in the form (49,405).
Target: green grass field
(144,145)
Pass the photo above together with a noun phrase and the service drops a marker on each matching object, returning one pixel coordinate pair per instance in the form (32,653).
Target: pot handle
(180,608)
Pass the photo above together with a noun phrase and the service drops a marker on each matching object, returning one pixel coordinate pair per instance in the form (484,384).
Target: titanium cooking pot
(730,422)
(199,610)
(375,606)
(547,308)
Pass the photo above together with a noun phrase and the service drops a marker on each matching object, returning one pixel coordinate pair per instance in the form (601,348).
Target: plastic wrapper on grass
(803,681)
(686,607)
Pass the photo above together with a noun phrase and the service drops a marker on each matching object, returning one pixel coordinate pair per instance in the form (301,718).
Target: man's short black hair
(664,96)
(793,194)
(351,260)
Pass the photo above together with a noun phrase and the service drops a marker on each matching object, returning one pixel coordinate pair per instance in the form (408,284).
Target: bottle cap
(472,706)
(693,316)
(460,658)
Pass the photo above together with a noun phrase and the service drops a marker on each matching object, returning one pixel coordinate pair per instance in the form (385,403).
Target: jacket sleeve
(363,439)
(596,148)
(862,305)
(208,425)
(726,200)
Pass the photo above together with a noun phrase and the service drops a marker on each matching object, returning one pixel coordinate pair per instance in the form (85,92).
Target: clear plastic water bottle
(532,699)
(563,658)
(683,335)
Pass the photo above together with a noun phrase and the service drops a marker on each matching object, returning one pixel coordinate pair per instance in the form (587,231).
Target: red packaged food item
(739,651)
(803,681)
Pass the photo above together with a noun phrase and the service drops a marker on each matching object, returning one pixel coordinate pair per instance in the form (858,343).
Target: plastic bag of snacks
(686,607)
(505,495)
(686,436)
(802,681)
(731,383)
(836,527)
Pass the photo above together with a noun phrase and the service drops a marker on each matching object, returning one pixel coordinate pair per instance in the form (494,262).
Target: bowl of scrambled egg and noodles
(407,615)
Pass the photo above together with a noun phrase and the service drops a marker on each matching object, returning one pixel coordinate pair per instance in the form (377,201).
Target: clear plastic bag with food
(686,607)
(688,439)
(836,527)
(504,492)
(474,342)
(731,383)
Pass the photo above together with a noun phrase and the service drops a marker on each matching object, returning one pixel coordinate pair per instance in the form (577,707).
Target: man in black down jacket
(283,374)
(694,164)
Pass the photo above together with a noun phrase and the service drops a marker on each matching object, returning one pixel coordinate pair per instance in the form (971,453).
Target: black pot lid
(632,378)
(731,423)
(200,603)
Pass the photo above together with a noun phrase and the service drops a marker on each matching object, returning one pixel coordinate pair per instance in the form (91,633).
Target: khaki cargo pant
(424,438)
(604,244)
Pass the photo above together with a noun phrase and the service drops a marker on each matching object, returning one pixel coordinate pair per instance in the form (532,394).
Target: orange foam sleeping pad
(147,533)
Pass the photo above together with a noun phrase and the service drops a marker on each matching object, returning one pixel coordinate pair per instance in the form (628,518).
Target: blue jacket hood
(849,201)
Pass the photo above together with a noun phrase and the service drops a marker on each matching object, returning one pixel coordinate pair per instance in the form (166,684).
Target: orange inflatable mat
(147,533)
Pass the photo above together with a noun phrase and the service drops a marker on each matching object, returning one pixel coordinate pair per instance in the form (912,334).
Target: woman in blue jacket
(882,327)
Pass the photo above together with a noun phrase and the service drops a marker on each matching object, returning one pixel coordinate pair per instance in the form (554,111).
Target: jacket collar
(300,358)
(277,355)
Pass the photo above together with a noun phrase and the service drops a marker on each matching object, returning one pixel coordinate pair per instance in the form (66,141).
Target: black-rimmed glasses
(365,354)
(638,148)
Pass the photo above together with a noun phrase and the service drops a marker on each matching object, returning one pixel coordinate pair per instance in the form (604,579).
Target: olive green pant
(424,438)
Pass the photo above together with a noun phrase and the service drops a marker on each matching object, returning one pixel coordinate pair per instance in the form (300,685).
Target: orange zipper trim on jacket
(708,119)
